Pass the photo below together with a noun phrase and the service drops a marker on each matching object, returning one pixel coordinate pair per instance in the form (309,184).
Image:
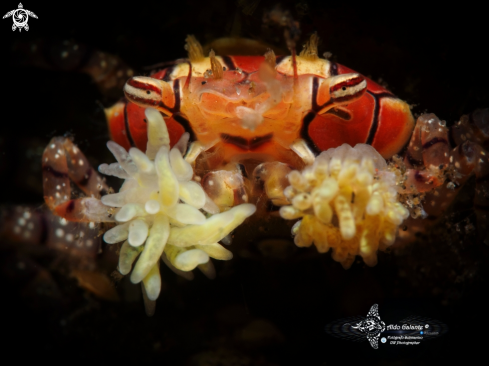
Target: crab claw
(154,93)
(338,90)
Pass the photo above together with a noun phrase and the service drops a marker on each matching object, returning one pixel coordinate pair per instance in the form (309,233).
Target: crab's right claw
(154,93)
(63,163)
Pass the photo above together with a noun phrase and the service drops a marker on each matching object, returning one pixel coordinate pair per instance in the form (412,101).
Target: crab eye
(149,92)
(338,90)
(347,88)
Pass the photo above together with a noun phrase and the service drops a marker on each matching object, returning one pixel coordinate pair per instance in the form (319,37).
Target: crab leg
(427,155)
(446,170)
(63,163)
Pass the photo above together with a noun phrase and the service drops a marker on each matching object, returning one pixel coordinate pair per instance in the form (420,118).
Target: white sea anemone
(163,213)
(348,201)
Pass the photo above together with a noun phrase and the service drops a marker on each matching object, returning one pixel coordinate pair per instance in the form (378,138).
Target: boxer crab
(291,129)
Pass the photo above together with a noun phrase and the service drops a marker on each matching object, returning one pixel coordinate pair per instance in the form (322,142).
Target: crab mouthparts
(244,143)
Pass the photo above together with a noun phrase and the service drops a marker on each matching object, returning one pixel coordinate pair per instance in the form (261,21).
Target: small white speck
(63,221)
(53,146)
(69,237)
(80,162)
(21,221)
(56,156)
(60,233)
(91,225)
(27,215)
(82,234)
(58,187)
(89,243)
(211,182)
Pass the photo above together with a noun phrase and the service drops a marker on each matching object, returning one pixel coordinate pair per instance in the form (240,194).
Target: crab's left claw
(154,93)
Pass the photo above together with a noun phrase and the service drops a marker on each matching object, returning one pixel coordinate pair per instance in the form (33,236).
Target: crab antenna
(216,66)
(189,76)
(270,58)
(194,49)
(283,18)
(294,64)
(310,50)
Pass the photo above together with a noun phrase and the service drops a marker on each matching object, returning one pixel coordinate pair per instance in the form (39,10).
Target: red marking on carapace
(117,128)
(394,128)
(328,130)
(387,121)
(137,125)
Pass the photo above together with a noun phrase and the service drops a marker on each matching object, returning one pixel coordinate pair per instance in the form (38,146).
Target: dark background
(269,305)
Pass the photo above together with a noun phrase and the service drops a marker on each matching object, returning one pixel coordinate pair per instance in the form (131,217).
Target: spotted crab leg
(427,156)
(439,171)
(63,163)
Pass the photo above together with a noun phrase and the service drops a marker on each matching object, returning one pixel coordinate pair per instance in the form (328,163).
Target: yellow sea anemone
(163,213)
(348,201)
